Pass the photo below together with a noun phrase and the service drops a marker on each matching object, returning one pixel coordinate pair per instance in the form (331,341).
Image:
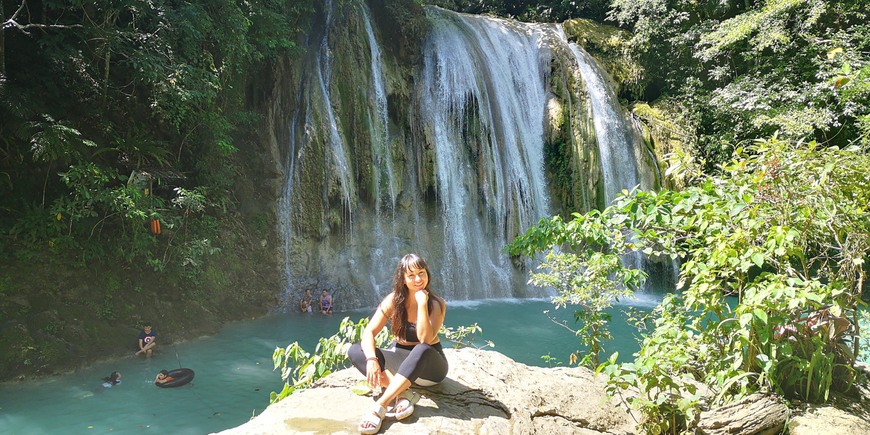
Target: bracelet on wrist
(371,358)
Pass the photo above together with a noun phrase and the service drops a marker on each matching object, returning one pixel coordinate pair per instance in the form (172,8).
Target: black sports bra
(411,333)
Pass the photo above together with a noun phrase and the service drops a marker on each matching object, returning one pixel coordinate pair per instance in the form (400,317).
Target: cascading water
(323,75)
(620,145)
(618,137)
(444,157)
(483,74)
(383,177)
(385,185)
(315,114)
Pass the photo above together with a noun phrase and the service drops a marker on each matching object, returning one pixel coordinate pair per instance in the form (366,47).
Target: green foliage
(464,336)
(763,28)
(864,340)
(773,261)
(749,70)
(94,91)
(551,360)
(530,10)
(53,140)
(300,369)
(107,310)
(557,158)
(663,371)
(584,266)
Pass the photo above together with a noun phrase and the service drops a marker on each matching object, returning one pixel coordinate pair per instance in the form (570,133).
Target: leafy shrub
(463,336)
(781,238)
(300,369)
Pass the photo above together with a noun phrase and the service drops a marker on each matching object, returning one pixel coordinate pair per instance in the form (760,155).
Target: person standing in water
(415,314)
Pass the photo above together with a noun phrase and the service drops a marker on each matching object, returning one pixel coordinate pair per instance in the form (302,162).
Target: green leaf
(758,259)
(815,297)
(760,315)
(361,388)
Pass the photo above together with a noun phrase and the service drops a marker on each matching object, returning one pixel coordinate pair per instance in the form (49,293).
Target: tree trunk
(2,42)
(757,414)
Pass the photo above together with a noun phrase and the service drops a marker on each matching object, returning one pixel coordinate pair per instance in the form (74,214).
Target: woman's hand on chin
(422,296)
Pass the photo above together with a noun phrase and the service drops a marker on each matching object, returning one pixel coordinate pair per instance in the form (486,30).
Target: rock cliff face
(415,129)
(488,393)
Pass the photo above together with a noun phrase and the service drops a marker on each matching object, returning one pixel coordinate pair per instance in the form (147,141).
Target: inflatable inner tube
(179,377)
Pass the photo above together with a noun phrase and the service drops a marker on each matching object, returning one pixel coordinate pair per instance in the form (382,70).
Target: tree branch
(12,22)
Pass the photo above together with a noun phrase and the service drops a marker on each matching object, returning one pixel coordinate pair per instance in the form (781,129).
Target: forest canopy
(116,113)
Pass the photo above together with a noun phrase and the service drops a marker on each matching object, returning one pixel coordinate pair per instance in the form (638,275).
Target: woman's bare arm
(378,321)
(428,324)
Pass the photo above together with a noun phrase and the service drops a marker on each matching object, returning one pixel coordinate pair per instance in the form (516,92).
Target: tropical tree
(738,70)
(111,110)
(584,266)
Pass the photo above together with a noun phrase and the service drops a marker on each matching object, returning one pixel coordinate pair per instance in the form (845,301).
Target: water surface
(234,372)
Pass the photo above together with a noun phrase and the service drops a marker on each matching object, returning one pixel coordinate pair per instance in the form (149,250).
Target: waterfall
(385,183)
(620,145)
(483,74)
(323,75)
(442,155)
(314,114)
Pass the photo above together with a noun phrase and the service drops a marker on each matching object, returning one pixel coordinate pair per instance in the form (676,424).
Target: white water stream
(482,74)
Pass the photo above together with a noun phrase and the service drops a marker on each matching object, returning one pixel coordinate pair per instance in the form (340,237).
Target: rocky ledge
(488,393)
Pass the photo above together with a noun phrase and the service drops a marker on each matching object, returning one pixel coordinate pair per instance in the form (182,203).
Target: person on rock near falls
(147,340)
(415,314)
(305,302)
(325,303)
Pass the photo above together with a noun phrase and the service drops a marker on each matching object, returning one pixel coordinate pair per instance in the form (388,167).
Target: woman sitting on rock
(415,314)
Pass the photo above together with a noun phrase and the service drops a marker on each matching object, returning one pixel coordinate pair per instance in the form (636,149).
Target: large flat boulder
(842,416)
(488,393)
(485,393)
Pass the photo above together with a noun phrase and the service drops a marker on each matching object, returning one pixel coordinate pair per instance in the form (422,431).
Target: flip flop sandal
(405,403)
(371,423)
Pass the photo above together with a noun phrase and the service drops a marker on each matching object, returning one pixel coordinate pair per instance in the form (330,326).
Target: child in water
(112,380)
(163,377)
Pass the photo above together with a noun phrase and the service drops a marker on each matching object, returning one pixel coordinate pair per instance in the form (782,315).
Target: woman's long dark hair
(399,317)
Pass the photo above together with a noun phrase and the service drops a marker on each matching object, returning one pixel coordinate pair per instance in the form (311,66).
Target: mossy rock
(670,133)
(611,47)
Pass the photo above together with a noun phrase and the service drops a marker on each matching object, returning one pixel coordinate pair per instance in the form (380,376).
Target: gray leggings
(422,364)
